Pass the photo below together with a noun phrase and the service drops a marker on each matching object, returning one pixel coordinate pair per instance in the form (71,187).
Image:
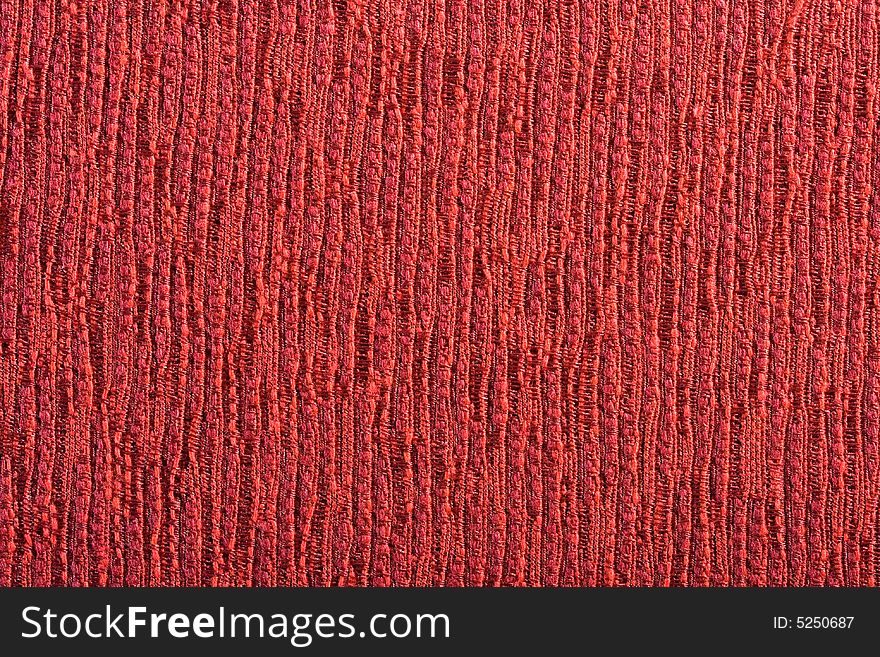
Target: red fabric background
(439,292)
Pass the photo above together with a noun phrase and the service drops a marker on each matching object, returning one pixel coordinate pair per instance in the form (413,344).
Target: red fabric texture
(439,292)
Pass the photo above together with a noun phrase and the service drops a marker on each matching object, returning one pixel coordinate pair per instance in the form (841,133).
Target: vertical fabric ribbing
(439,292)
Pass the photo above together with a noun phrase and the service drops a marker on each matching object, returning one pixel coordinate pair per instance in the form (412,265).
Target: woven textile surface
(439,292)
